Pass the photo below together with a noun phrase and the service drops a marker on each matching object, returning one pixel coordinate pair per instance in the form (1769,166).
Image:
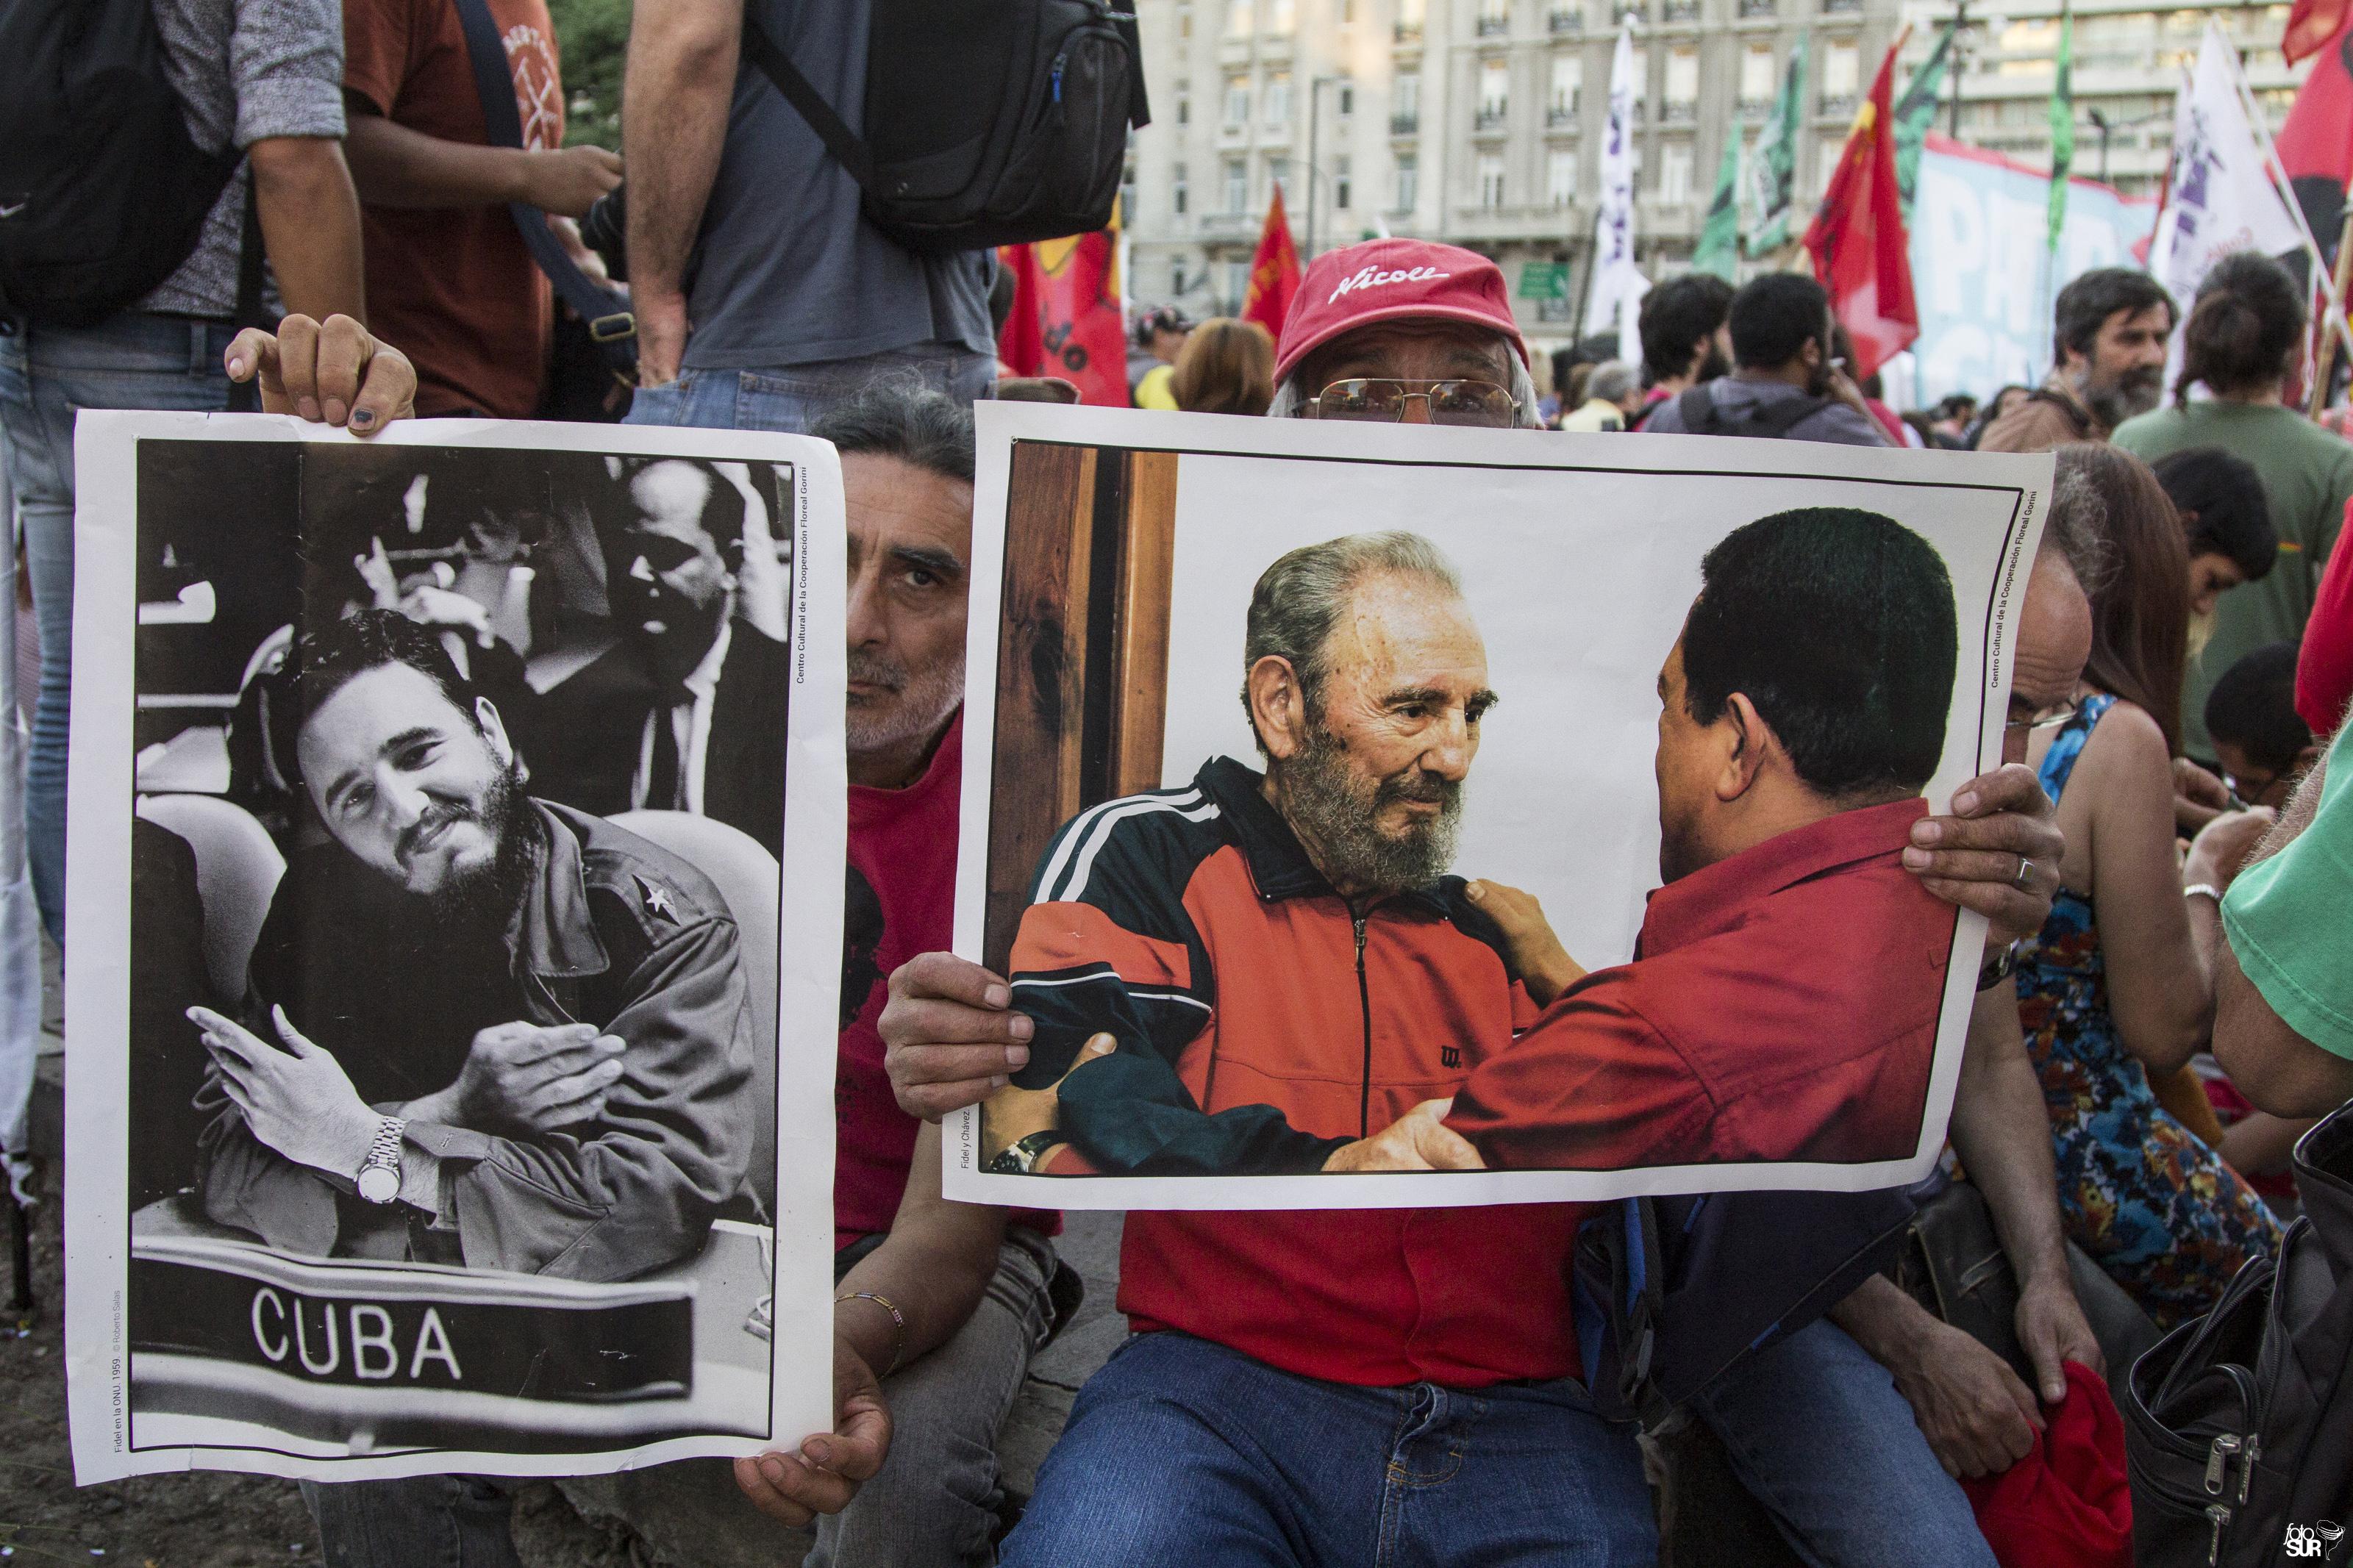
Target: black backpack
(1702,416)
(2239,1425)
(103,191)
(987,121)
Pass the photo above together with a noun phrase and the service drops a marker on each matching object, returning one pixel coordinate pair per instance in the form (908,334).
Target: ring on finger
(2025,874)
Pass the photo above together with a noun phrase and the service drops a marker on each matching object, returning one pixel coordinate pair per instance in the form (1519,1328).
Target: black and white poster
(455,893)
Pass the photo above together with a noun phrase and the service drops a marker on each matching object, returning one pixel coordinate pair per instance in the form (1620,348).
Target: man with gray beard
(1282,959)
(2108,332)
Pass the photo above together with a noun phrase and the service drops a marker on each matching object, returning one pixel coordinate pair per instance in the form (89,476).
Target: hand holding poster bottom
(439,1015)
(1511,711)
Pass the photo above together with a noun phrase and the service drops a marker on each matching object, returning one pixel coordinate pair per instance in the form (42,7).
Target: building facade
(1475,121)
(2129,57)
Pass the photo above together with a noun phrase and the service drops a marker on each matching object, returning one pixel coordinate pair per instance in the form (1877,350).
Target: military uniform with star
(610,930)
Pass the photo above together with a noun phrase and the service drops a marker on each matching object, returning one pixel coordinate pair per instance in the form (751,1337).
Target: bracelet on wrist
(898,1325)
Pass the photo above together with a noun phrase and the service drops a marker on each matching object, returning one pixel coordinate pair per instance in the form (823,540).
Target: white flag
(1618,284)
(2221,198)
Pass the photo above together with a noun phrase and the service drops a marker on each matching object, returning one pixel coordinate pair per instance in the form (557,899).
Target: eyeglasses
(2057,716)
(1445,401)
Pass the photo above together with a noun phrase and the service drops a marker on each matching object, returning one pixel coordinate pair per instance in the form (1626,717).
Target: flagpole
(2325,372)
(2339,327)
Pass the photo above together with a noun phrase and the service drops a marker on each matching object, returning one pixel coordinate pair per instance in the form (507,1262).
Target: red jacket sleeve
(1592,1087)
(2324,669)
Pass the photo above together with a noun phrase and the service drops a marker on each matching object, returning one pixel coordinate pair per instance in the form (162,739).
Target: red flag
(1857,236)
(2313,26)
(1066,317)
(1020,343)
(2316,144)
(1274,272)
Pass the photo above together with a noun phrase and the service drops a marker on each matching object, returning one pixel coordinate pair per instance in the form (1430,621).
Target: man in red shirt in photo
(1802,712)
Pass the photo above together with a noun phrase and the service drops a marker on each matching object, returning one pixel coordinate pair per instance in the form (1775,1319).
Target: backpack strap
(847,149)
(2066,405)
(1702,416)
(610,322)
(245,396)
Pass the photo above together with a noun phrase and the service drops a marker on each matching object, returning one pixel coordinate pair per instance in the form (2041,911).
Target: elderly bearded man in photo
(506,1034)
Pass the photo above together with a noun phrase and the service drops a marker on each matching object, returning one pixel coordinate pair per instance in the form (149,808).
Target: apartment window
(1408,182)
(1347,13)
(1841,75)
(1494,91)
(1759,77)
(1277,174)
(1185,111)
(1405,96)
(1237,286)
(1237,101)
(1282,17)
(1185,32)
(1642,84)
(1241,15)
(1177,191)
(1495,16)
(1177,278)
(1682,76)
(1560,176)
(1490,180)
(1127,191)
(1567,88)
(1278,97)
(1343,182)
(1237,186)
(1675,175)
(1346,95)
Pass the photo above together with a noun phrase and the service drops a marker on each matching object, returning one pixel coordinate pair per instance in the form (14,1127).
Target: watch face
(379,1184)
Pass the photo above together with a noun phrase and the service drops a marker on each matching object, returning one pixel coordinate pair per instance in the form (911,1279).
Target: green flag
(2063,125)
(1719,234)
(1915,112)
(1773,166)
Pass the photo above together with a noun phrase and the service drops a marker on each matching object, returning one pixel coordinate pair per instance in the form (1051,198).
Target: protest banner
(438,1016)
(1983,272)
(1242,984)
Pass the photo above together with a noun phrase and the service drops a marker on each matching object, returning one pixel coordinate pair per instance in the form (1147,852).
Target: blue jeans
(1818,1433)
(1181,1452)
(46,374)
(792,397)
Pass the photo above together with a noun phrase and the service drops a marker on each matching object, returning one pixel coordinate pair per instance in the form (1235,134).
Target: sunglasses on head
(1445,401)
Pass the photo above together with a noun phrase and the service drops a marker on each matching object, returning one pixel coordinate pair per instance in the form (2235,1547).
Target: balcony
(1408,32)
(1681,112)
(1682,11)
(1492,26)
(1490,120)
(1565,19)
(1839,105)
(1561,117)
(1842,7)
(1629,10)
(1750,9)
(1753,107)
(1405,124)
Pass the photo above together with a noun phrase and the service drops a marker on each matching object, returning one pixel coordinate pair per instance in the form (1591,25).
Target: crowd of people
(2164,1004)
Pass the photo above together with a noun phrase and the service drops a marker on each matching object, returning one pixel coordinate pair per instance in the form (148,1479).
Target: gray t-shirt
(245,70)
(787,270)
(1736,399)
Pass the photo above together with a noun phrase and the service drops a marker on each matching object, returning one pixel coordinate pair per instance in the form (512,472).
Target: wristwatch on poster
(1020,1158)
(1997,968)
(379,1177)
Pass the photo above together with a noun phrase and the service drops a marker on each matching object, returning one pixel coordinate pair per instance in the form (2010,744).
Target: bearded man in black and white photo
(488,1029)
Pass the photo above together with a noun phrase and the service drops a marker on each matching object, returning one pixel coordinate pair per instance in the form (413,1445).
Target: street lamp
(1315,87)
(2100,123)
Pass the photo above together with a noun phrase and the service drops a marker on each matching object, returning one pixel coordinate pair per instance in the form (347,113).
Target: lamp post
(1315,87)
(2100,123)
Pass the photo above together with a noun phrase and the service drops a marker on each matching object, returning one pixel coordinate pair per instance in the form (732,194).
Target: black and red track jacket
(1261,1023)
(1263,1019)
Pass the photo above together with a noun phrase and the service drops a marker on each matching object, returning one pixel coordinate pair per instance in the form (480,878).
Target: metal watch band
(384,1154)
(1997,968)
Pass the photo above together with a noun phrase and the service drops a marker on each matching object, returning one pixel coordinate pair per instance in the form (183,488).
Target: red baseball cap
(1383,279)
